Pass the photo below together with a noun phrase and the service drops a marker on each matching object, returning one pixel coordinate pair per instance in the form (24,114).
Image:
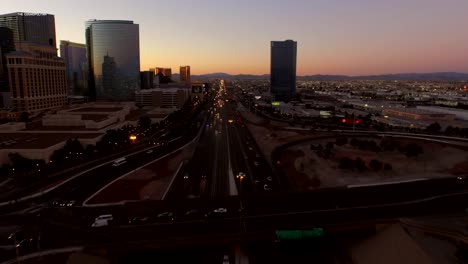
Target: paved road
(225,149)
(82,187)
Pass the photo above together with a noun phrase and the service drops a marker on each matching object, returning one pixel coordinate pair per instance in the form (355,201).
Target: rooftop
(38,140)
(96,109)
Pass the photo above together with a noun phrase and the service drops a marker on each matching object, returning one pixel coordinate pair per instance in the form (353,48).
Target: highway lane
(207,173)
(80,188)
(72,225)
(190,181)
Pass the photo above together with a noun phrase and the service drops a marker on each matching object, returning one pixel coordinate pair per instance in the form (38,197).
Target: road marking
(44,253)
(172,181)
(41,193)
(232,182)
(123,202)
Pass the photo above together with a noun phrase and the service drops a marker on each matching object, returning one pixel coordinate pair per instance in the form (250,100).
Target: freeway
(263,214)
(78,189)
(225,149)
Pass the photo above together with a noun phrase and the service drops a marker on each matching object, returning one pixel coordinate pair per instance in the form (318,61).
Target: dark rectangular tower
(283,70)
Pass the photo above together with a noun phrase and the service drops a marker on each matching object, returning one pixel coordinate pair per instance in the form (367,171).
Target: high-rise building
(147,79)
(74,55)
(113,46)
(185,74)
(30,27)
(6,45)
(283,69)
(37,78)
(167,72)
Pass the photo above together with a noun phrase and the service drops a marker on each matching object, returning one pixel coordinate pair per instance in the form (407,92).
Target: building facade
(167,72)
(162,98)
(37,78)
(74,55)
(185,74)
(6,45)
(283,70)
(113,48)
(147,79)
(30,27)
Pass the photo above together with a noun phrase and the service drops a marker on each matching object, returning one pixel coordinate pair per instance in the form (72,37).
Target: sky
(350,37)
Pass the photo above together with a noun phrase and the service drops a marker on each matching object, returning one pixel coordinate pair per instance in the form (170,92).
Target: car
(226,259)
(257,155)
(218,212)
(266,187)
(102,220)
(193,213)
(250,148)
(269,178)
(149,151)
(256,182)
(203,176)
(25,243)
(119,162)
(166,216)
(256,163)
(138,220)
(17,235)
(71,203)
(186,176)
(100,223)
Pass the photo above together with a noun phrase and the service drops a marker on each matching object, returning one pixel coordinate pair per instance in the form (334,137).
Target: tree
(433,128)
(313,147)
(320,147)
(413,150)
(144,122)
(354,142)
(387,167)
(341,141)
(449,131)
(329,145)
(346,163)
(375,165)
(24,117)
(360,164)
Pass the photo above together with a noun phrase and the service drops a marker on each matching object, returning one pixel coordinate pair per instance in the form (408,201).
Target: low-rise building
(418,114)
(162,97)
(459,113)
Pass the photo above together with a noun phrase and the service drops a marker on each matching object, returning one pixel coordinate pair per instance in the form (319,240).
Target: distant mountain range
(435,76)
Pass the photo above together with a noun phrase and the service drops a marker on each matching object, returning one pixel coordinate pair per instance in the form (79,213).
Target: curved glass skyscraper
(113,50)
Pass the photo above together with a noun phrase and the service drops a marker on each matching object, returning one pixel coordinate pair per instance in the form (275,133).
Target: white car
(149,151)
(220,210)
(256,163)
(102,220)
(266,187)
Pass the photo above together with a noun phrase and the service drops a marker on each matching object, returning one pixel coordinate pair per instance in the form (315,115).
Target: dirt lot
(147,183)
(307,170)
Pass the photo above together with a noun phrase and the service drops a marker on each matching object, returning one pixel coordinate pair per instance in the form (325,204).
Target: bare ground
(304,167)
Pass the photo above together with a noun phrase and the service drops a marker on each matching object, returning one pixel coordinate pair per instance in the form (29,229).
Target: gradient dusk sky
(352,37)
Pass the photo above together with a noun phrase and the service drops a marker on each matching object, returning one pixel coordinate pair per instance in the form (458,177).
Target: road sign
(299,234)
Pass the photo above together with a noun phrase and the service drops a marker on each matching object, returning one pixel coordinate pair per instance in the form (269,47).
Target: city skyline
(359,38)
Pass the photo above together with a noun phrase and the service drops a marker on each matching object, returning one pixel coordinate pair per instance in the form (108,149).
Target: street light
(133,138)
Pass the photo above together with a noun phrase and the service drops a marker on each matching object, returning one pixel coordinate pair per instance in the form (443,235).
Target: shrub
(375,165)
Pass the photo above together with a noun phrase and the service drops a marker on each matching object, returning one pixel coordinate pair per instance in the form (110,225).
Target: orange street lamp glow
(133,137)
